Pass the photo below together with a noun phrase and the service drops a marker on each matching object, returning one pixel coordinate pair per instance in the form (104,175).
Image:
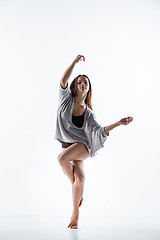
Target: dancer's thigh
(75,152)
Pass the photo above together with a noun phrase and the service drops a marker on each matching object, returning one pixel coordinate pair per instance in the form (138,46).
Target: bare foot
(81,202)
(74,221)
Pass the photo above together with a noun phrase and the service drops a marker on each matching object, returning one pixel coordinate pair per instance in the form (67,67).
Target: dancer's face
(82,84)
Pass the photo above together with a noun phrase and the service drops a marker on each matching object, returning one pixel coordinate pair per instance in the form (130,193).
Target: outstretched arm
(68,72)
(123,121)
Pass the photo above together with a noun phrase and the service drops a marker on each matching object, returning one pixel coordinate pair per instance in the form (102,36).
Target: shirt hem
(89,151)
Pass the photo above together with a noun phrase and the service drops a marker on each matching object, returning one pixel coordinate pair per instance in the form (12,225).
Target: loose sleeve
(97,134)
(64,93)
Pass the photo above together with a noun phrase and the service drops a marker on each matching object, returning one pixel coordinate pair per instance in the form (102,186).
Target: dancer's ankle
(75,212)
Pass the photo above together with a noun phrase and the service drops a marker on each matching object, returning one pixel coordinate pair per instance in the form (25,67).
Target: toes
(74,227)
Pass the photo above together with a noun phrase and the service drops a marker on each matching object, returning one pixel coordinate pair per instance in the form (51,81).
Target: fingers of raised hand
(79,58)
(82,58)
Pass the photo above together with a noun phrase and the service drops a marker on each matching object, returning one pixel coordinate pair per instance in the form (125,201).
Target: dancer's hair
(73,89)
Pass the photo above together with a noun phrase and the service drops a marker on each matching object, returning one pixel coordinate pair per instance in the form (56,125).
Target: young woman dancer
(79,133)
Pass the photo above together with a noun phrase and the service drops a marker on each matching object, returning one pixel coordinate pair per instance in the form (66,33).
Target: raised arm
(68,72)
(123,121)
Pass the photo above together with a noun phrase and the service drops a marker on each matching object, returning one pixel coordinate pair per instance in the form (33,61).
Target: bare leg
(78,152)
(77,192)
(67,168)
(78,174)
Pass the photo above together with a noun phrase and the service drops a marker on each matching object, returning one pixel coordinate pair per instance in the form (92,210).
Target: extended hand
(79,57)
(125,121)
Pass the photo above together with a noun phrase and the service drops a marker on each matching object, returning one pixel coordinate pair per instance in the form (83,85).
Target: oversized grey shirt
(91,133)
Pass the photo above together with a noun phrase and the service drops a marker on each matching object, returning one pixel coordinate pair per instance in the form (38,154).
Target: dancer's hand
(78,58)
(125,121)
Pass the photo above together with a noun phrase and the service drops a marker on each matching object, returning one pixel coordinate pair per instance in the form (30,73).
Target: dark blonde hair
(73,89)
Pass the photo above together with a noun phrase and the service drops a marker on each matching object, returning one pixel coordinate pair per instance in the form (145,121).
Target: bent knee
(61,158)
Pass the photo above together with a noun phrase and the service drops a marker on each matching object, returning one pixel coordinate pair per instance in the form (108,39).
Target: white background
(120,41)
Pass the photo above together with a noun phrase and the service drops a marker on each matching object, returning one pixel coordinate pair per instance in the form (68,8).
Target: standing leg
(76,152)
(77,192)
